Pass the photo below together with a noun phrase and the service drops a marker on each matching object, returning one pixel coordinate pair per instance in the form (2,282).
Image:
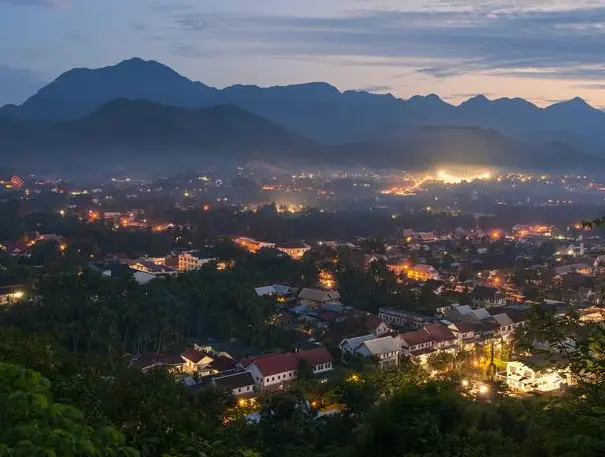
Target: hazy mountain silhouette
(316,110)
(150,137)
(126,132)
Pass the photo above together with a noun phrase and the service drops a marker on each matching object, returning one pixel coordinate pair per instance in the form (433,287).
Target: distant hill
(141,132)
(433,146)
(316,110)
(150,137)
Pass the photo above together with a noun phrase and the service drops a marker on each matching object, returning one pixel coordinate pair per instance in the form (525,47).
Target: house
(152,268)
(425,237)
(384,351)
(458,313)
(151,360)
(483,296)
(272,370)
(518,317)
(193,260)
(477,315)
(398,318)
(17,248)
(294,250)
(507,326)
(238,384)
(351,344)
(443,336)
(316,298)
(11,290)
(585,295)
(418,345)
(417,342)
(375,325)
(465,332)
(196,361)
(252,245)
(580,268)
(537,374)
(422,272)
(278,290)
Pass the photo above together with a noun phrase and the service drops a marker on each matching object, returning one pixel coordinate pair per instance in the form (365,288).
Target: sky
(544,51)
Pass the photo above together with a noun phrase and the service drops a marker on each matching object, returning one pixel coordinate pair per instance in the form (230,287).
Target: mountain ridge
(316,110)
(144,135)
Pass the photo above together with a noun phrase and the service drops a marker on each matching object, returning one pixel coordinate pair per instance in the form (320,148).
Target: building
(443,337)
(483,296)
(376,325)
(152,268)
(417,344)
(239,384)
(465,332)
(399,268)
(195,361)
(399,318)
(294,250)
(193,260)
(384,351)
(273,370)
(316,298)
(252,245)
(11,291)
(422,272)
(579,268)
(349,345)
(537,374)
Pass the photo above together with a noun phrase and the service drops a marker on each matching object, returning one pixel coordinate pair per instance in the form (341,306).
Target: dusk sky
(540,50)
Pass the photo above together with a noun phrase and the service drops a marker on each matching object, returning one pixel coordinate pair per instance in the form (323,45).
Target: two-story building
(384,351)
(193,260)
(484,297)
(422,272)
(537,374)
(399,318)
(195,361)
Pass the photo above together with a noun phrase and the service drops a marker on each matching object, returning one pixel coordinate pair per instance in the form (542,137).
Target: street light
(483,389)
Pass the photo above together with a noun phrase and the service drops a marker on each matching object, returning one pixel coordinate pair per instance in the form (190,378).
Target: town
(246,303)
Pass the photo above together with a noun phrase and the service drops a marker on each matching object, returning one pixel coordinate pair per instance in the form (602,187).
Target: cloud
(377,88)
(593,86)
(532,39)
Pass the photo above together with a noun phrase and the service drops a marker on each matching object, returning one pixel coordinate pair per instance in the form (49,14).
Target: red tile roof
(416,337)
(372,322)
(440,332)
(280,363)
(222,363)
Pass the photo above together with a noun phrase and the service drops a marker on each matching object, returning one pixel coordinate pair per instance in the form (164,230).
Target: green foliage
(31,424)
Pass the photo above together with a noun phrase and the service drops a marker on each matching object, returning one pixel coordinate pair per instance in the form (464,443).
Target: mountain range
(139,107)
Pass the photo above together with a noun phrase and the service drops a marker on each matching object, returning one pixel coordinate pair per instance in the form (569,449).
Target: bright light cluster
(449,178)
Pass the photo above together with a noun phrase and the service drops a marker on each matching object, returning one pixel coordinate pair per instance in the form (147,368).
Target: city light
(483,389)
(450,178)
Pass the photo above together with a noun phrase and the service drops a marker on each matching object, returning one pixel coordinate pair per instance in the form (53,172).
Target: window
(239,390)
(248,388)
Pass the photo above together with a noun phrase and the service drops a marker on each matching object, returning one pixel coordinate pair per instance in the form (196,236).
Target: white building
(193,260)
(272,370)
(537,374)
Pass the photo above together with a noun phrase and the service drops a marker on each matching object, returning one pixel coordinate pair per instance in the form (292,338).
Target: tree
(32,424)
